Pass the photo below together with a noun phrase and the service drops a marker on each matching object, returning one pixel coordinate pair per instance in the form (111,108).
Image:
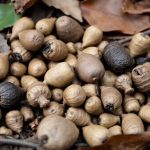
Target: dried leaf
(125,142)
(8,15)
(69,7)
(21,5)
(109,17)
(4,48)
(138,7)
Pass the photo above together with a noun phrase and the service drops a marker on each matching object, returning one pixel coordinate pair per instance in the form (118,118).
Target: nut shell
(93,105)
(27,113)
(144,113)
(95,135)
(45,25)
(90,89)
(89,68)
(37,67)
(124,83)
(13,79)
(19,52)
(68,29)
(60,133)
(78,116)
(54,108)
(74,95)
(117,58)
(4,65)
(27,81)
(10,94)
(115,130)
(38,94)
(108,120)
(140,44)
(20,25)
(131,104)
(57,94)
(111,98)
(55,50)
(31,39)
(14,120)
(92,36)
(141,77)
(18,69)
(59,76)
(132,124)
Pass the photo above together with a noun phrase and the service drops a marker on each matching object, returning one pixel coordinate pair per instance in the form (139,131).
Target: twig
(18,142)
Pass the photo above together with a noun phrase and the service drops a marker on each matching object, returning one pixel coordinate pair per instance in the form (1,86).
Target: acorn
(89,68)
(68,30)
(141,77)
(117,58)
(10,94)
(55,50)
(92,36)
(31,39)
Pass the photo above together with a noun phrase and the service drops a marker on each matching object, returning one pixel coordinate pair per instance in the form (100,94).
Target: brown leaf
(138,7)
(107,14)
(125,142)
(21,5)
(69,7)
(4,48)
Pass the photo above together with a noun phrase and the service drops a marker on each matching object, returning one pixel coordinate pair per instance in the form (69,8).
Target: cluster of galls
(68,81)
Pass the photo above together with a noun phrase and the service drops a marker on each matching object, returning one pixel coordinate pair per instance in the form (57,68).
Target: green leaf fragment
(8,16)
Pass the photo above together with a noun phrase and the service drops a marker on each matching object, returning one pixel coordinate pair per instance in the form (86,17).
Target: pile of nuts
(93,85)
